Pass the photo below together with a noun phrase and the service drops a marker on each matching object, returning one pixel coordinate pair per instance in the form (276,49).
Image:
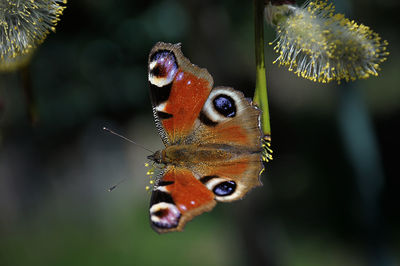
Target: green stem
(260,94)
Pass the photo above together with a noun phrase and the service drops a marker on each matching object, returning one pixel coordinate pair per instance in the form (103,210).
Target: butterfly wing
(177,198)
(227,117)
(228,120)
(178,91)
(189,112)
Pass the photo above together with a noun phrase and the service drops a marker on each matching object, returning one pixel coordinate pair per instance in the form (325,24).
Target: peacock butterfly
(213,141)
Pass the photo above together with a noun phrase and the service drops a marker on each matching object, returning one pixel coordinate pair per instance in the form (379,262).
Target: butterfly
(212,136)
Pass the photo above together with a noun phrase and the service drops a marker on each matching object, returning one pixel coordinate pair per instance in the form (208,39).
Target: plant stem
(260,94)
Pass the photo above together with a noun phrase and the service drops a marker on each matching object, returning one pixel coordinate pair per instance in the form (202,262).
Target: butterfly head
(155,157)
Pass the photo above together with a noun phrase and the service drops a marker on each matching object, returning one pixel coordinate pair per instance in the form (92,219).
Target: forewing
(178,91)
(177,198)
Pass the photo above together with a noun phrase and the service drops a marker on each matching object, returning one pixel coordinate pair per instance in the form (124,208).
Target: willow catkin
(322,46)
(24,24)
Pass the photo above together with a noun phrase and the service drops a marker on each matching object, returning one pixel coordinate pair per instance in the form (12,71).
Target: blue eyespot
(225,188)
(166,65)
(225,105)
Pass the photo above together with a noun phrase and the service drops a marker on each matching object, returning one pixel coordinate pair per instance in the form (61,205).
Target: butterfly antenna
(116,185)
(125,138)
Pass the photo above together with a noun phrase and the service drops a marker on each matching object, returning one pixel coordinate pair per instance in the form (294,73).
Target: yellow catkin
(321,46)
(24,25)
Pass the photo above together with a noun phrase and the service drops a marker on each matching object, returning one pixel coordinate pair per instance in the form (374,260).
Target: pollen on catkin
(24,24)
(266,151)
(322,46)
(151,174)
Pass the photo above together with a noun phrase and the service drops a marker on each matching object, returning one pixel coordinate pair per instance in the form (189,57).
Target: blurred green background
(324,201)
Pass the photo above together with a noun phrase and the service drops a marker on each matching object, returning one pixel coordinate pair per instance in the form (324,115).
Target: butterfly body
(193,155)
(212,136)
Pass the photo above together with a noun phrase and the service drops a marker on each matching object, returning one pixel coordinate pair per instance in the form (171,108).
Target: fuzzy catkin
(24,24)
(322,46)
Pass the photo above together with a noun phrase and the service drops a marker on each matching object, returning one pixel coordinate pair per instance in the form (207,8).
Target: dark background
(324,201)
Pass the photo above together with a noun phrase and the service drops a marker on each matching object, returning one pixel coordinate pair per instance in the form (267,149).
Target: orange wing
(177,198)
(178,91)
(231,122)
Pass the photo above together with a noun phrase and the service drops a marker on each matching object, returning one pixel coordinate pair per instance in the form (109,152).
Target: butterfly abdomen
(190,155)
(193,154)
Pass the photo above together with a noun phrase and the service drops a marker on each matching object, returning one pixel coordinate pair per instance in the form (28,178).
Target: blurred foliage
(54,208)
